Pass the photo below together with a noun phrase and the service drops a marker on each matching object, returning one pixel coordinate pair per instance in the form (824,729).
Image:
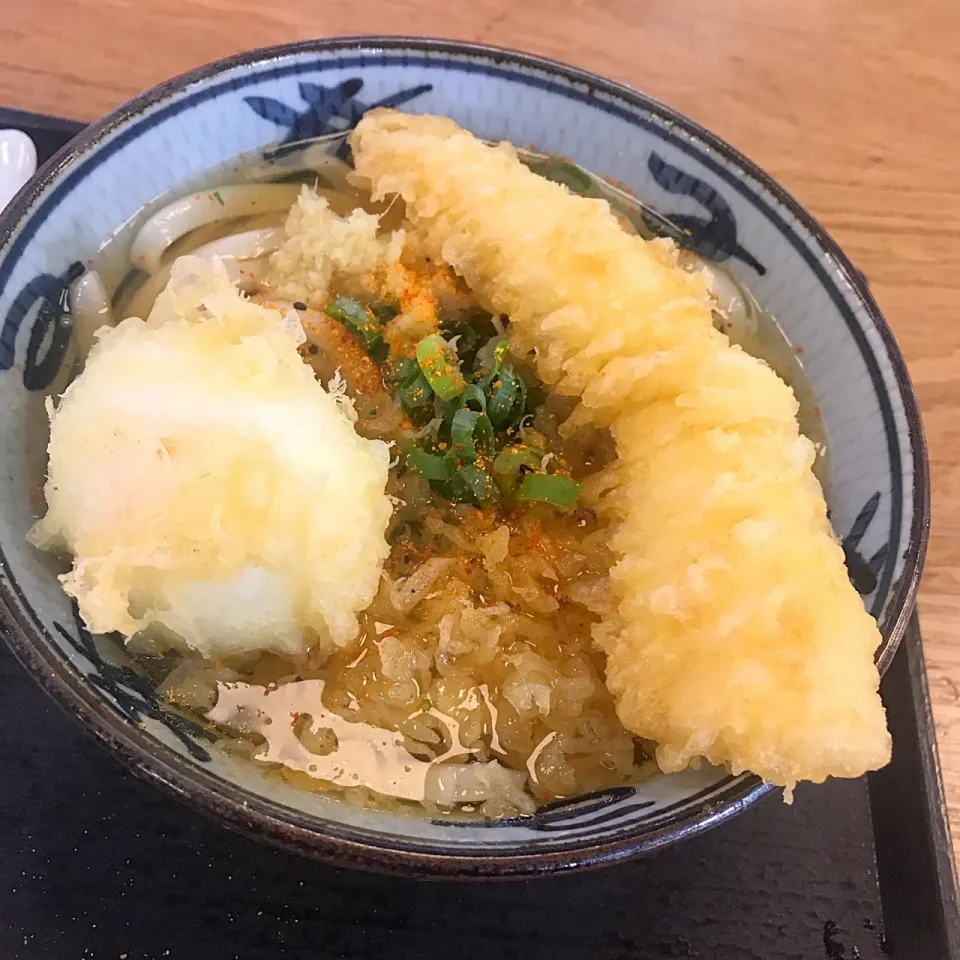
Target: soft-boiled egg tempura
(207,485)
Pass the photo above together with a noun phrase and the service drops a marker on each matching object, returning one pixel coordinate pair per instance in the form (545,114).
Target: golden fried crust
(739,637)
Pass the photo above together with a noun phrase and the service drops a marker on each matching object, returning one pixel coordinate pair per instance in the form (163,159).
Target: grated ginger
(205,483)
(738,637)
(322,249)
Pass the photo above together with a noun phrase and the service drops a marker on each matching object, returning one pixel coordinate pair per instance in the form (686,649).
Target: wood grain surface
(851,104)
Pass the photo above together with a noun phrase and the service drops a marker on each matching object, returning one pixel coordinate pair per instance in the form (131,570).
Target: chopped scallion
(479,483)
(550,488)
(358,320)
(403,370)
(430,465)
(438,361)
(473,398)
(473,328)
(417,398)
(470,432)
(509,463)
(385,312)
(488,377)
(508,398)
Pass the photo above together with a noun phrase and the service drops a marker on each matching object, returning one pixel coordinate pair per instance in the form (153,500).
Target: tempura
(736,636)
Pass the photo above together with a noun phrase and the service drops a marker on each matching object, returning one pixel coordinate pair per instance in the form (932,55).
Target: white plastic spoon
(18,163)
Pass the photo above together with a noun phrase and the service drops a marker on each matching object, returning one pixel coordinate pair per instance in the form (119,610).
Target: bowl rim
(263,819)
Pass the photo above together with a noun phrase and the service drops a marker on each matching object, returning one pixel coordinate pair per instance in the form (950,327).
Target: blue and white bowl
(728,210)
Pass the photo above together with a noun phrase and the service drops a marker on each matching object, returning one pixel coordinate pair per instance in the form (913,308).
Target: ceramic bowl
(724,207)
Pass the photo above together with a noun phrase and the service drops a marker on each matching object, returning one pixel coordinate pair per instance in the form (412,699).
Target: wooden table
(854,105)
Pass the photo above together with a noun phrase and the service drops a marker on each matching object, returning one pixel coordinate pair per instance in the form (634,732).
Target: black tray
(96,864)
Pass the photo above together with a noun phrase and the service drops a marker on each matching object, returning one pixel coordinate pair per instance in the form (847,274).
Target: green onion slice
(508,398)
(358,320)
(474,327)
(479,483)
(439,365)
(510,461)
(430,465)
(385,312)
(403,370)
(417,397)
(550,488)
(473,398)
(468,430)
(499,352)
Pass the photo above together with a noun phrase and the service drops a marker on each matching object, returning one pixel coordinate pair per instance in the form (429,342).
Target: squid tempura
(736,634)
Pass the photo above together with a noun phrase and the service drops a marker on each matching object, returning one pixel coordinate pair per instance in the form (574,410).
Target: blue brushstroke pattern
(51,330)
(334,109)
(864,573)
(714,238)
